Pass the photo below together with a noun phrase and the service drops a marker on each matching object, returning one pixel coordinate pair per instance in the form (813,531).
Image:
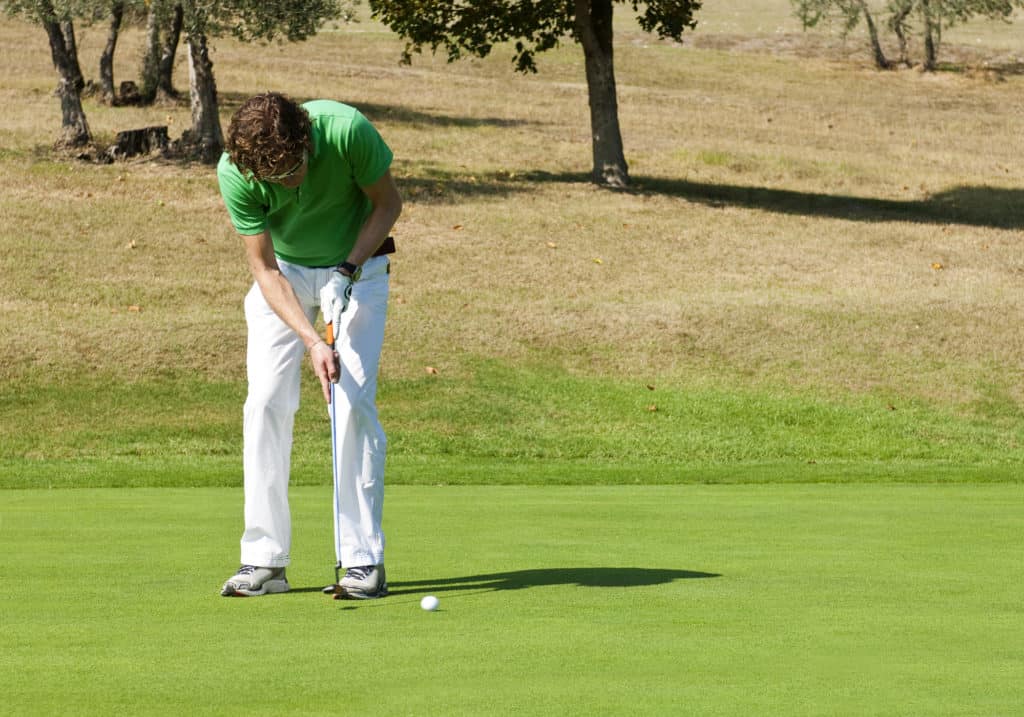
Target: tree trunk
(165,70)
(107,58)
(594,31)
(898,23)
(930,45)
(876,48)
(151,60)
(206,132)
(74,128)
(67,29)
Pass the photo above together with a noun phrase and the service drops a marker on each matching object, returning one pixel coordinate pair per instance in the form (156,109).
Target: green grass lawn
(723,600)
(497,424)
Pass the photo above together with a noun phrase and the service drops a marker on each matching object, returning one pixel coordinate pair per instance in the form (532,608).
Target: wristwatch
(349,269)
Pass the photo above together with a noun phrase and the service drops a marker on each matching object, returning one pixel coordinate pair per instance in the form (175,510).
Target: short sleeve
(244,207)
(369,155)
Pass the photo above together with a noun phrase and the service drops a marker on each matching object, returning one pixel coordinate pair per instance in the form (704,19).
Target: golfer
(309,189)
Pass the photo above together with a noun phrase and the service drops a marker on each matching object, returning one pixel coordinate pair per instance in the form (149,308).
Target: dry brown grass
(797,220)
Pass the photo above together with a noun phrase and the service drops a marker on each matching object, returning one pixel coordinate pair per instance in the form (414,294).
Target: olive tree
(198,20)
(927,18)
(247,20)
(535,26)
(56,20)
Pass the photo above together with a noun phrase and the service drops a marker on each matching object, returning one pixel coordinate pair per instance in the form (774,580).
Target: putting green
(725,600)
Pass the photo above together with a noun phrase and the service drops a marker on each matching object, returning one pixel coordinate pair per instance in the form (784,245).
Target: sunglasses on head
(290,172)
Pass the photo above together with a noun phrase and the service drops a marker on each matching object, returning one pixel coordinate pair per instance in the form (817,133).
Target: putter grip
(329,335)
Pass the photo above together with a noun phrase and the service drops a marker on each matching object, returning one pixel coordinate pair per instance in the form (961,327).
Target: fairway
(710,600)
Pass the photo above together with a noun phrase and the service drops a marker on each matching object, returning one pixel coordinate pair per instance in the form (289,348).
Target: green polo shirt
(317,223)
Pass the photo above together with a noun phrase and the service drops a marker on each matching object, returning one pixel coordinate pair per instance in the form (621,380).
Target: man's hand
(334,298)
(325,366)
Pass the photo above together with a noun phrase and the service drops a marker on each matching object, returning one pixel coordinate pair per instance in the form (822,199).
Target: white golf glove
(334,298)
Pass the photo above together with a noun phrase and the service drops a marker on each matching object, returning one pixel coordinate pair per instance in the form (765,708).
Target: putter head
(336,588)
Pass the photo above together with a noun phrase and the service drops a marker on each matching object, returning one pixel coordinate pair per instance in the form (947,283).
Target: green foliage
(667,18)
(475,28)
(535,25)
(248,20)
(40,10)
(812,12)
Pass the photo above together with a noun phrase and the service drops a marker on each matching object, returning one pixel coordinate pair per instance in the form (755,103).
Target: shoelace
(360,573)
(247,570)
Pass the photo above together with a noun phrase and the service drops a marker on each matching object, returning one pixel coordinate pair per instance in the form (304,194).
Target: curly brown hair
(268,134)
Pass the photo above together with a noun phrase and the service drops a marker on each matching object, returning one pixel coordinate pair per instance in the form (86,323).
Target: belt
(388,247)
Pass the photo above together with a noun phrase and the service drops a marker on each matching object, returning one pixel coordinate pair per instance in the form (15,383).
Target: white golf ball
(429,603)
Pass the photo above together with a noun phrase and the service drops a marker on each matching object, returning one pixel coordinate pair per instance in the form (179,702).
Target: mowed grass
(501,425)
(796,600)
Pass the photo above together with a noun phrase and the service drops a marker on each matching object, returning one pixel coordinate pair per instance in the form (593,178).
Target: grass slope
(796,600)
(505,425)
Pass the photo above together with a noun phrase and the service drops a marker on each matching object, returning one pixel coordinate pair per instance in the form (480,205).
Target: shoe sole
(271,586)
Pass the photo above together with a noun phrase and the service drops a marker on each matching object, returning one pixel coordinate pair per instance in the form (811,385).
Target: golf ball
(429,603)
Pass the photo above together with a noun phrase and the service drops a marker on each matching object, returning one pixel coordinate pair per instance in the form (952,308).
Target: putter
(329,338)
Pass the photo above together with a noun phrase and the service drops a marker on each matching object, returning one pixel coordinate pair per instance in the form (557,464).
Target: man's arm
(279,293)
(387,206)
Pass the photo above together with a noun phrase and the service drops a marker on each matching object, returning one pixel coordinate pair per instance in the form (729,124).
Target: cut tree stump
(133,142)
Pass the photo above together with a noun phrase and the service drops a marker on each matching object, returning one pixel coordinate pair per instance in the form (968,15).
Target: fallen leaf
(457,227)
(432,371)
(937,266)
(597,260)
(650,387)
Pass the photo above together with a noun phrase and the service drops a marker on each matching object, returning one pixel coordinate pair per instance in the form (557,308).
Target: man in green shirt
(309,189)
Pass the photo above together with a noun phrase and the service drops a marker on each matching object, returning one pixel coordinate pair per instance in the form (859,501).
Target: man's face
(291,172)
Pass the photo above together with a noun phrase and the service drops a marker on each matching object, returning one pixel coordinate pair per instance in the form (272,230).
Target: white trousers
(275,356)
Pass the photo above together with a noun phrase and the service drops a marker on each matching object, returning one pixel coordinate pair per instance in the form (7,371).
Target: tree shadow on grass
(996,207)
(404,115)
(981,206)
(521,579)
(399,114)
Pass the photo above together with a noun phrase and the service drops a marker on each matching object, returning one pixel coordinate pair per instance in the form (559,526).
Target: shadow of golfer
(520,579)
